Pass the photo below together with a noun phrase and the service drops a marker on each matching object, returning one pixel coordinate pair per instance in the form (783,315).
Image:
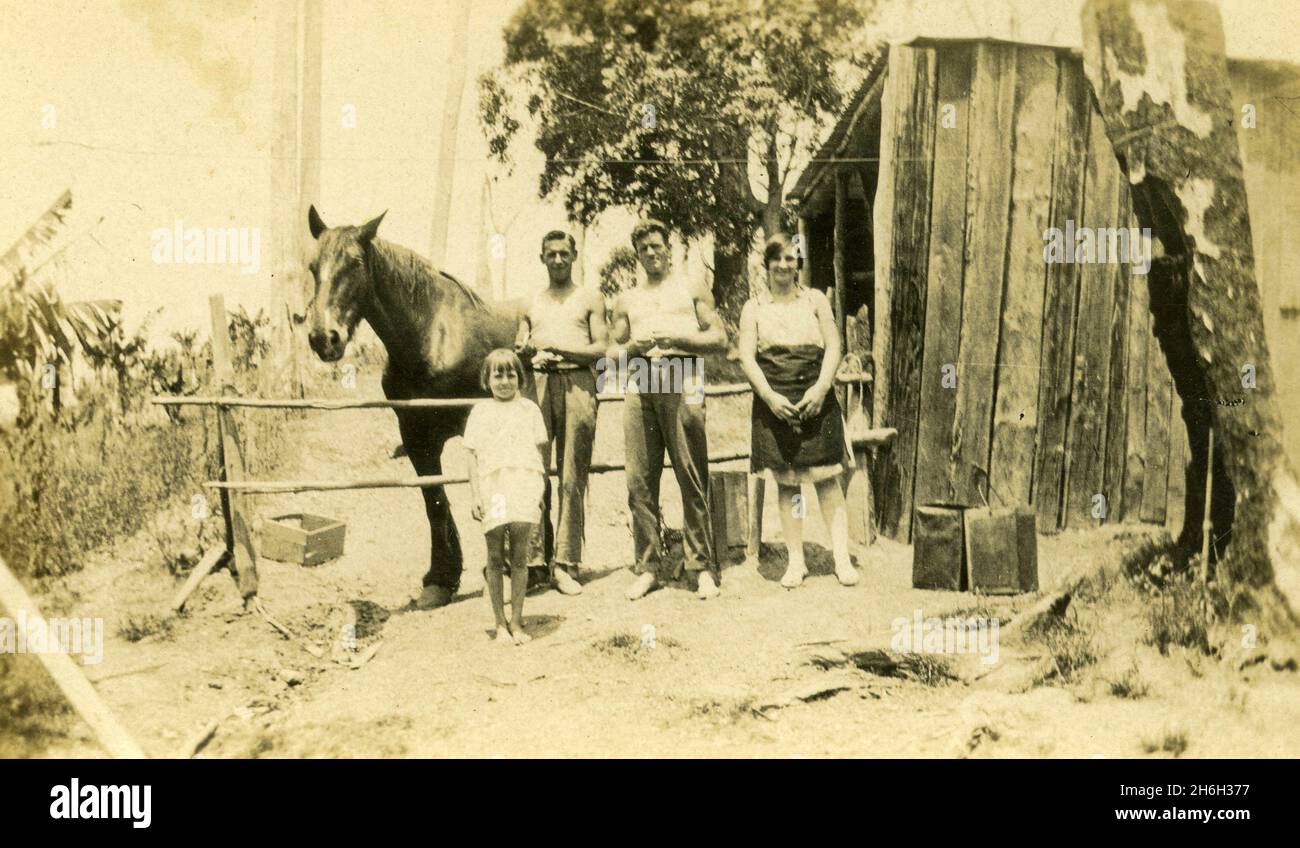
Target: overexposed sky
(162,111)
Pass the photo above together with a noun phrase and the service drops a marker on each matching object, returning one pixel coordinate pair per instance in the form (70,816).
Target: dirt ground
(743,675)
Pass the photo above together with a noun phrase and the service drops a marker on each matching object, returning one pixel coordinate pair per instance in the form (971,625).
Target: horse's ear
(315,223)
(369,228)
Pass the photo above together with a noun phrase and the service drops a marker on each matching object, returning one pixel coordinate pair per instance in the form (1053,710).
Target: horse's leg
(424,434)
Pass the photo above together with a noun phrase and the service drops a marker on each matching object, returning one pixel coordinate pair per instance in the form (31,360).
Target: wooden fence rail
(721,390)
(871,438)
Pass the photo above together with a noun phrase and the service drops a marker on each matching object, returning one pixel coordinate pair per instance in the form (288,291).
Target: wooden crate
(992,559)
(729,507)
(1001,550)
(938,548)
(301,538)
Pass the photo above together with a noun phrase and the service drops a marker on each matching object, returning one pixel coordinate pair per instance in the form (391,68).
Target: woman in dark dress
(789,350)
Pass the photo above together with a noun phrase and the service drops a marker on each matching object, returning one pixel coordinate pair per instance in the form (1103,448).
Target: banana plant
(40,333)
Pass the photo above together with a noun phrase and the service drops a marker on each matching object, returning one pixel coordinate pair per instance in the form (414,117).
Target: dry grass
(986,613)
(1173,742)
(631,647)
(926,669)
(33,712)
(134,628)
(66,493)
(725,710)
(1178,616)
(1069,644)
(1129,685)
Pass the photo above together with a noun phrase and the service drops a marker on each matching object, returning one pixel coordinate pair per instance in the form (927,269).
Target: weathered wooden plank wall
(1179,455)
(1061,297)
(1086,443)
(988,199)
(1015,419)
(1112,487)
(910,96)
(1160,391)
(1062,393)
(946,267)
(1141,344)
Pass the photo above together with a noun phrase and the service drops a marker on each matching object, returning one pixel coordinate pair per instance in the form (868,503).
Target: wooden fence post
(728,502)
(234,505)
(754,536)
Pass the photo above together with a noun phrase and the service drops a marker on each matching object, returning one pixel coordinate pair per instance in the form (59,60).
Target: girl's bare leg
(836,514)
(494,576)
(791,507)
(519,536)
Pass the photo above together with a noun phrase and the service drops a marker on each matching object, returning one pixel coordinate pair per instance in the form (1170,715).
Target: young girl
(507,440)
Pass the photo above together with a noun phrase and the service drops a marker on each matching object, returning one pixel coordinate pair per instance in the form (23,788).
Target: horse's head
(342,281)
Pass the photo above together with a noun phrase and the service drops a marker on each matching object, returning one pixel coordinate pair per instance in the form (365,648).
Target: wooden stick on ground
(198,741)
(315,650)
(70,679)
(211,560)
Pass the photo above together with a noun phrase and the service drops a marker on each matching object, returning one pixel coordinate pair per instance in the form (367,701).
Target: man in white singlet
(664,327)
(564,332)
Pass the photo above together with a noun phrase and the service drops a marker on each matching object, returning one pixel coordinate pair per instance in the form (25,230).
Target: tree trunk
(1159,73)
(775,191)
(313,24)
(731,244)
(443,185)
(286,224)
(730,281)
(481,281)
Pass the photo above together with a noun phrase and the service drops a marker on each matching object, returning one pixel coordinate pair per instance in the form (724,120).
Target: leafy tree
(250,342)
(618,273)
(123,355)
(676,109)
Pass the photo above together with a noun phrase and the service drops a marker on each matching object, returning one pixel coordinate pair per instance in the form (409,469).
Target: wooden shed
(1008,376)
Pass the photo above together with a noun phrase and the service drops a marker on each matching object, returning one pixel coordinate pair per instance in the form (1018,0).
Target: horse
(437,332)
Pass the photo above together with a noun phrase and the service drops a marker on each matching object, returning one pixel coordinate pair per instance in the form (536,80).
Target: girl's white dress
(504,436)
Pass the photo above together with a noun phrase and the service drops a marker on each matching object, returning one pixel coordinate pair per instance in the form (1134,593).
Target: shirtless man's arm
(620,333)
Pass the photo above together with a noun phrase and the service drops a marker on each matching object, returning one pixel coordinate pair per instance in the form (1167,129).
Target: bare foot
(707,588)
(642,586)
(519,636)
(565,583)
(795,572)
(846,573)
(502,635)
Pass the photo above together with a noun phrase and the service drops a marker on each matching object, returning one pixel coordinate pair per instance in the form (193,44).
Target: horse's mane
(416,275)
